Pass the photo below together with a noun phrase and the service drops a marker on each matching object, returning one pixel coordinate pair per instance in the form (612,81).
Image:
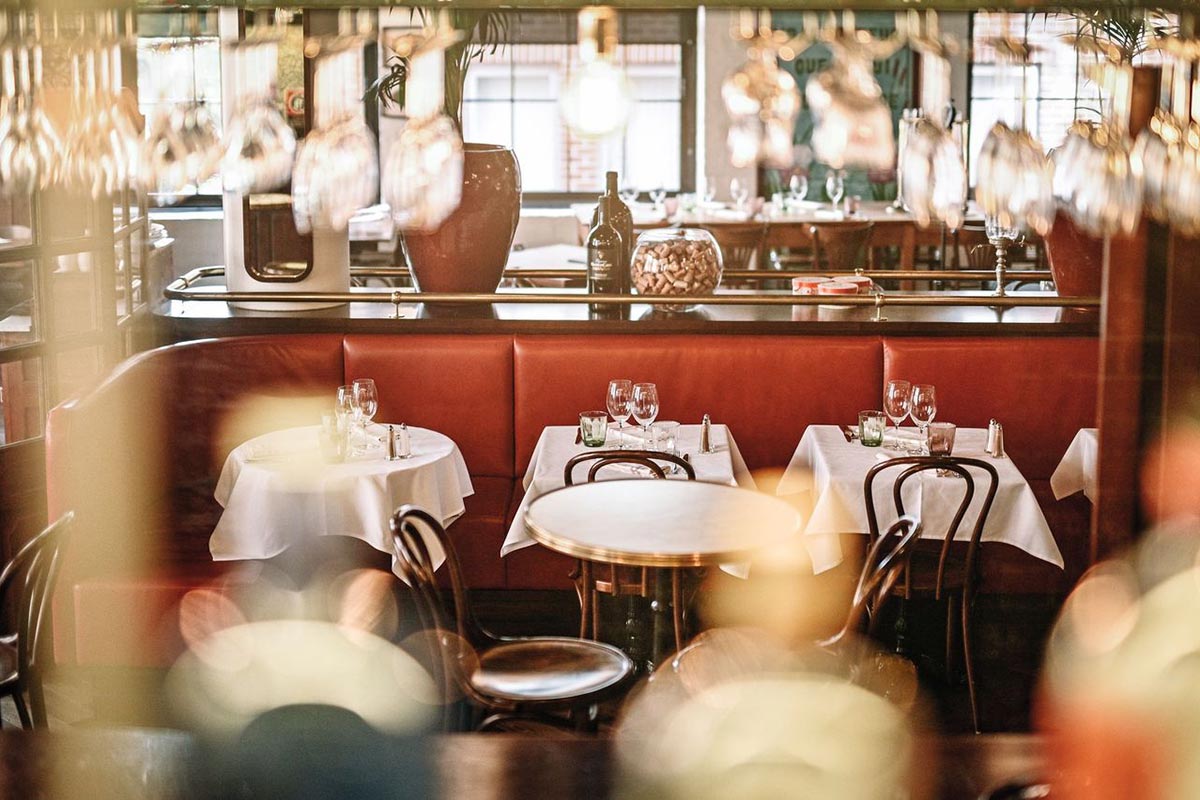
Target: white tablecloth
(831,471)
(1077,470)
(276,489)
(557,445)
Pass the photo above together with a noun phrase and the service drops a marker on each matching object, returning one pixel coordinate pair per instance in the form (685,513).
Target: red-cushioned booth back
(137,457)
(767,389)
(1043,390)
(460,385)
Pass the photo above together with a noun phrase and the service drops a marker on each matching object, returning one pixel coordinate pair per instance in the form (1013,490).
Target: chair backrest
(915,465)
(789,235)
(455,633)
(640,458)
(841,246)
(739,243)
(30,576)
(886,559)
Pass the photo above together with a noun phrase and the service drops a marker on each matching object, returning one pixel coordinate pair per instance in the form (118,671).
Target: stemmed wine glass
(619,401)
(739,192)
(366,401)
(343,409)
(896,399)
(658,195)
(645,405)
(797,189)
(710,190)
(628,194)
(835,187)
(923,409)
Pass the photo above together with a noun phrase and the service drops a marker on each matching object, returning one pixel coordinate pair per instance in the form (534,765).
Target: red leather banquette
(137,457)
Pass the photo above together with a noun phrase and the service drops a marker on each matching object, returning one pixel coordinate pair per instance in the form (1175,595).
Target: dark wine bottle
(622,220)
(605,258)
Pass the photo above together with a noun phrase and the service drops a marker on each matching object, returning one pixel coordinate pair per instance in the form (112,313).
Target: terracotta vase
(1076,259)
(468,252)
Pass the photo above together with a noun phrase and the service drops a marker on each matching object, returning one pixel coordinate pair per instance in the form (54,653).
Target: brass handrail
(182,288)
(752,274)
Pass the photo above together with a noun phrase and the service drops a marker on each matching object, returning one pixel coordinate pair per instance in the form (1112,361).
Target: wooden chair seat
(922,573)
(549,670)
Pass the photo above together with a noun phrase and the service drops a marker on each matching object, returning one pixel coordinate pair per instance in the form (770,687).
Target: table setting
(719,462)
(826,474)
(343,477)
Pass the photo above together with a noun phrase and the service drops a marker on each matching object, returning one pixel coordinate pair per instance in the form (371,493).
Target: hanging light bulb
(599,98)
(423,176)
(763,102)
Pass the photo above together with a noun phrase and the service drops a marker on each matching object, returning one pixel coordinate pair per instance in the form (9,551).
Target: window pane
(18,310)
(70,216)
(20,400)
(73,289)
(16,222)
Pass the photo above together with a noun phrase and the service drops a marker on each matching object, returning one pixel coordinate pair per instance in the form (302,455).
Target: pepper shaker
(391,443)
(993,425)
(706,435)
(998,450)
(404,446)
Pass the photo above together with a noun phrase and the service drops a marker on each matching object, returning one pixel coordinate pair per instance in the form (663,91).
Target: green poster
(895,76)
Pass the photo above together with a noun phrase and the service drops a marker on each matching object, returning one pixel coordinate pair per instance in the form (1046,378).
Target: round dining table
(669,525)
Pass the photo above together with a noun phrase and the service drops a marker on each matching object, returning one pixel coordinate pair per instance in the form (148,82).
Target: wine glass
(366,399)
(896,399)
(797,189)
(923,409)
(739,192)
(710,189)
(628,194)
(835,187)
(343,408)
(619,400)
(658,195)
(645,405)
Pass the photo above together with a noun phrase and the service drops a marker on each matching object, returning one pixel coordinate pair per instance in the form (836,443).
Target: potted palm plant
(469,250)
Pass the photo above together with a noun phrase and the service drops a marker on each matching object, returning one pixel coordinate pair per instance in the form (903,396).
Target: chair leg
(677,608)
(22,710)
(950,625)
(37,704)
(967,658)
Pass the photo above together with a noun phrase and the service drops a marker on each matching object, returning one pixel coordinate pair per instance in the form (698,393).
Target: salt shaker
(391,443)
(706,435)
(998,450)
(991,438)
(404,443)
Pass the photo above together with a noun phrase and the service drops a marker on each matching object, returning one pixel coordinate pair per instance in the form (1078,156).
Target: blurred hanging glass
(762,101)
(182,145)
(102,144)
(853,124)
(423,173)
(259,144)
(1015,179)
(30,147)
(336,171)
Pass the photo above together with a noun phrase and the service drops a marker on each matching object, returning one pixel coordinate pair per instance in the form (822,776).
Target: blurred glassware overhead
(259,144)
(100,155)
(30,147)
(853,125)
(599,97)
(932,162)
(762,100)
(1093,173)
(337,165)
(1167,153)
(1015,180)
(423,173)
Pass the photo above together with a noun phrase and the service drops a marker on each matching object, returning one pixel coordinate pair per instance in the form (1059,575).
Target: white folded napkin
(274,448)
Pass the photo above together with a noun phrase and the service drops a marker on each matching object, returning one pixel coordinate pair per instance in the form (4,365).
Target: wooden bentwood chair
(587,586)
(842,246)
(29,578)
(943,572)
(503,678)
